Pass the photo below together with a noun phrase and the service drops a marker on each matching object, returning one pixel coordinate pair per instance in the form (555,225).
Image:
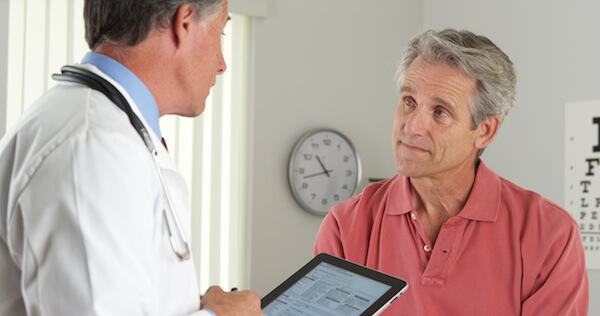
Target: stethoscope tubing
(94,81)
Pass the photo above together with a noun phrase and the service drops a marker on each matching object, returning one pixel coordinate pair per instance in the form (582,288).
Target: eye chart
(582,174)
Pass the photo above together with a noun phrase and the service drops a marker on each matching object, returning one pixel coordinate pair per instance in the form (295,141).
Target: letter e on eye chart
(582,174)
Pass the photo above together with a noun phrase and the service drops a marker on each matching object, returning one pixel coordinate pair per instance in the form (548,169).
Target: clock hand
(322,166)
(318,174)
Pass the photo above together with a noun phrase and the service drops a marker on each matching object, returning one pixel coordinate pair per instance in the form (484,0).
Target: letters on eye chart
(582,174)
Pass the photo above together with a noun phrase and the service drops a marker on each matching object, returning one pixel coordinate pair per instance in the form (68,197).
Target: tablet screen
(328,289)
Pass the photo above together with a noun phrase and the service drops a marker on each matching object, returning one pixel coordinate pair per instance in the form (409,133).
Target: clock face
(323,171)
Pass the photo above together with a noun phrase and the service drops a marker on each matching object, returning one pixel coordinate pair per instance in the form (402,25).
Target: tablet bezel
(398,286)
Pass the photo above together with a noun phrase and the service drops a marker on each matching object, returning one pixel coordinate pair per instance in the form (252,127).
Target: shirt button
(413,216)
(427,248)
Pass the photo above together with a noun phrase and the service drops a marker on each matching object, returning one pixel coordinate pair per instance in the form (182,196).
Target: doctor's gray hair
(476,56)
(128,22)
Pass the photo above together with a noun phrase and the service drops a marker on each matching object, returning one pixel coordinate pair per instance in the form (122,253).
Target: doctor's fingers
(231,303)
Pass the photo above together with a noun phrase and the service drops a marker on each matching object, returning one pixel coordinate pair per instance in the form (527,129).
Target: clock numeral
(345,187)
(346,158)
(336,197)
(324,201)
(315,145)
(307,156)
(348,173)
(327,142)
(305,185)
(301,171)
(312,196)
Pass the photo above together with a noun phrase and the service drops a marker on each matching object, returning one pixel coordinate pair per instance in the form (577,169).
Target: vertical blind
(211,150)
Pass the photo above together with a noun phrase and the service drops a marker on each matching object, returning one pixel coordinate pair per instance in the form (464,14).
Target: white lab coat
(82,230)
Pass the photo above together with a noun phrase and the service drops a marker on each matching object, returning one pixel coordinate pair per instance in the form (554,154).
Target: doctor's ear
(486,131)
(184,19)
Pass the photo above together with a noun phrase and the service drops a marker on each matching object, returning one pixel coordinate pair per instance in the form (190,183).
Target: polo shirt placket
(452,239)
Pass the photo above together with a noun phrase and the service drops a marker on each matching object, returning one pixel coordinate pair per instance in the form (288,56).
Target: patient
(467,241)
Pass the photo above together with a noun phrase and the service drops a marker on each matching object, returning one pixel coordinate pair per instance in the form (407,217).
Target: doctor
(85,223)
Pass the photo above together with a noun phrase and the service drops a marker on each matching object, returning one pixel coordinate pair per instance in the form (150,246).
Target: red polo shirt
(508,252)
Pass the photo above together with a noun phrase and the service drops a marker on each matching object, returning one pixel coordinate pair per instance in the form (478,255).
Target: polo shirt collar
(399,200)
(483,203)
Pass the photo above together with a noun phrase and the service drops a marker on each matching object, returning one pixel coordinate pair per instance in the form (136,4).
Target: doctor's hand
(231,303)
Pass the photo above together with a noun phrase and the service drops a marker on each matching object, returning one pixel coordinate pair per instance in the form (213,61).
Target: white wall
(318,64)
(3,62)
(554,46)
(330,63)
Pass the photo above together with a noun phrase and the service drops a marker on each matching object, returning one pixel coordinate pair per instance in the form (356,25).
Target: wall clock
(324,169)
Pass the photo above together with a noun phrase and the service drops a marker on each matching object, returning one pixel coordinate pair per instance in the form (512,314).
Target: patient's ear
(486,131)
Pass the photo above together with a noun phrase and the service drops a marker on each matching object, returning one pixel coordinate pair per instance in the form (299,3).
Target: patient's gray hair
(479,58)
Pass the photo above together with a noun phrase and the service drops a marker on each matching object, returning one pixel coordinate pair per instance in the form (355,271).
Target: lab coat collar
(165,160)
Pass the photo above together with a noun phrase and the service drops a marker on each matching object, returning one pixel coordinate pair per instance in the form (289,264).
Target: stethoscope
(92,80)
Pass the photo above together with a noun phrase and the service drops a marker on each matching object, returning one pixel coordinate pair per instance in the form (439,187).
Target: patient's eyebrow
(443,102)
(449,105)
(408,89)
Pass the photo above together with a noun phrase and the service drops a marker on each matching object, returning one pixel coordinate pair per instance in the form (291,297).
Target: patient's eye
(440,112)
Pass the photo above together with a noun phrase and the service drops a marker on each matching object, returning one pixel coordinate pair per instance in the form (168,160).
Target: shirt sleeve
(89,244)
(328,238)
(561,286)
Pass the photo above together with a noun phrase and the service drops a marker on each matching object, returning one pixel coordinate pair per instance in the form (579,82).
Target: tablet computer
(329,285)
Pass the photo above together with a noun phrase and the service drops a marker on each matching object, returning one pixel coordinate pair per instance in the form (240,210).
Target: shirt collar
(483,203)
(131,83)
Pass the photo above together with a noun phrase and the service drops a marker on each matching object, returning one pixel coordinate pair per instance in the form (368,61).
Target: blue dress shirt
(131,83)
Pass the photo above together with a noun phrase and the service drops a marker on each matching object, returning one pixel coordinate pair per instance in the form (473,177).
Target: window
(211,150)
(43,36)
